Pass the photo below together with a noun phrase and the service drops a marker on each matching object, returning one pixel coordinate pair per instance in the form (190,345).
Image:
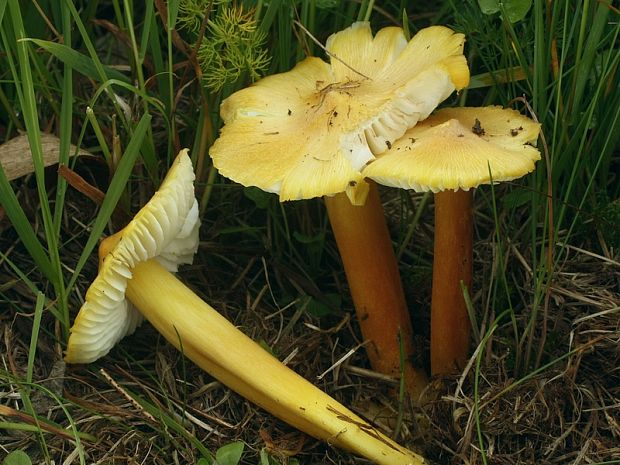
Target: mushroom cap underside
(165,229)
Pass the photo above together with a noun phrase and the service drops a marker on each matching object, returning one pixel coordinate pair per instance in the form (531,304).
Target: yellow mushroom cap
(460,148)
(166,229)
(309,132)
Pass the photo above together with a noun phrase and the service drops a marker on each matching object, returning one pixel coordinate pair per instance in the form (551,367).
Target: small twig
(595,315)
(591,254)
(124,393)
(366,373)
(196,421)
(340,361)
(290,356)
(521,259)
(576,296)
(333,55)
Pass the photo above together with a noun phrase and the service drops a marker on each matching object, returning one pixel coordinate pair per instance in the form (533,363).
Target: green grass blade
(25,389)
(15,426)
(24,230)
(172,14)
(100,69)
(29,108)
(477,400)
(25,84)
(20,274)
(114,192)
(2,9)
(502,278)
(97,62)
(270,15)
(31,285)
(66,123)
(582,140)
(10,112)
(34,335)
(583,71)
(541,52)
(46,81)
(79,61)
(148,148)
(158,62)
(412,225)
(607,146)
(106,86)
(149,15)
(92,119)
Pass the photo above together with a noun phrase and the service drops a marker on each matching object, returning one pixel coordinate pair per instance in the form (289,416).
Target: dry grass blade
(9,412)
(80,184)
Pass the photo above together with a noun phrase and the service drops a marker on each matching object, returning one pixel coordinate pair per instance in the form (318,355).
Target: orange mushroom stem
(452,265)
(374,282)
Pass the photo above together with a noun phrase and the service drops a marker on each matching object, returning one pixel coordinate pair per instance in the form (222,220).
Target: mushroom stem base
(218,347)
(452,264)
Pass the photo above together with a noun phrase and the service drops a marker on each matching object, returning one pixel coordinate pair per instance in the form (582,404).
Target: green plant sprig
(233,47)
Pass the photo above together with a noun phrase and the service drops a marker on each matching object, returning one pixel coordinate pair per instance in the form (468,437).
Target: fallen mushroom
(309,132)
(451,153)
(137,261)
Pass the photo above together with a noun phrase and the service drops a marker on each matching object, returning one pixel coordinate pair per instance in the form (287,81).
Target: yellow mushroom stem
(452,264)
(219,348)
(374,281)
